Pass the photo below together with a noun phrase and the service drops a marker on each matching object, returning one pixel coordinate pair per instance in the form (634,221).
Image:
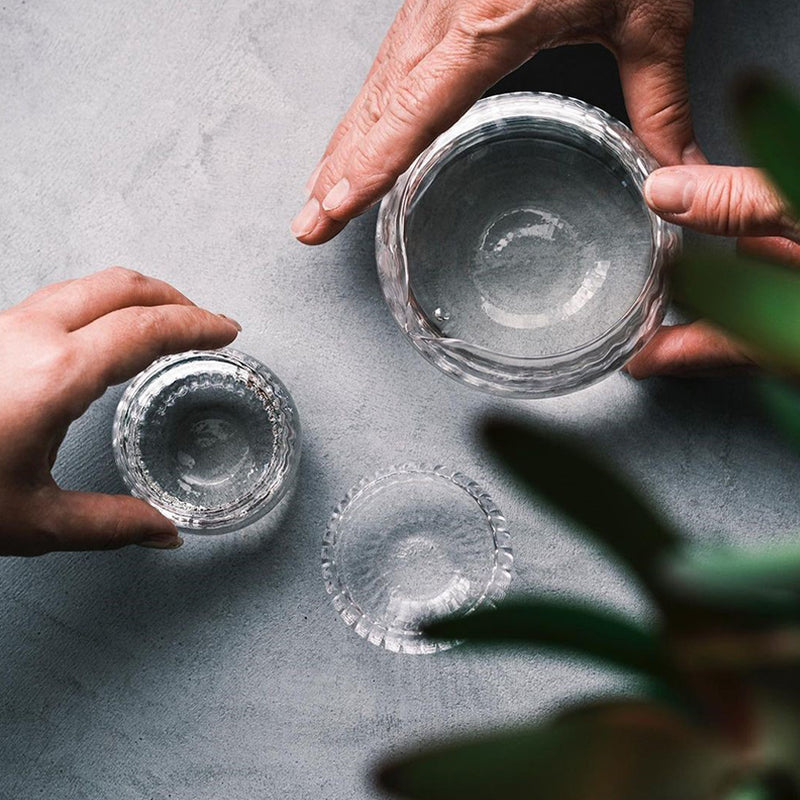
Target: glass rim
(262,496)
(482,367)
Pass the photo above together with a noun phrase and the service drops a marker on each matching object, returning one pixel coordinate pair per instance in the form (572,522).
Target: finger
(363,114)
(728,201)
(79,302)
(650,49)
(122,343)
(43,293)
(365,110)
(773,248)
(83,521)
(657,100)
(402,55)
(398,54)
(427,101)
(693,349)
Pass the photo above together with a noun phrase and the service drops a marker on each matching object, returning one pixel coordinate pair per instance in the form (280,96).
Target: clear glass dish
(517,252)
(209,438)
(410,544)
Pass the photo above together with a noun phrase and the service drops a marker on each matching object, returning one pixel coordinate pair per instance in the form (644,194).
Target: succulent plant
(720,715)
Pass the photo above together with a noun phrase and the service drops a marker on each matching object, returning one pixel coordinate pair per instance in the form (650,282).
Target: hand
(59,351)
(441,55)
(729,201)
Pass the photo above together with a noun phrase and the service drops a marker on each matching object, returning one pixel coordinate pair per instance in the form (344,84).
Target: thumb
(728,201)
(83,521)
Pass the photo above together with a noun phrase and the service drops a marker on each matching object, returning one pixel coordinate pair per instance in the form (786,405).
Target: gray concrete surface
(175,138)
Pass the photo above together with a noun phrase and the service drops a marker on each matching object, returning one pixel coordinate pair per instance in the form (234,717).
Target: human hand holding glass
(727,201)
(61,349)
(441,55)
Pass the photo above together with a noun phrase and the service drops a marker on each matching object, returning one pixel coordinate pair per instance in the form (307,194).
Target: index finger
(121,344)
(434,94)
(657,100)
(76,303)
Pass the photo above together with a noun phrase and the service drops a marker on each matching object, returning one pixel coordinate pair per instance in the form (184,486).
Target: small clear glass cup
(209,438)
(410,544)
(517,253)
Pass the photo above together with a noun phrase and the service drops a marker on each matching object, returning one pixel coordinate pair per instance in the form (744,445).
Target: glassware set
(518,256)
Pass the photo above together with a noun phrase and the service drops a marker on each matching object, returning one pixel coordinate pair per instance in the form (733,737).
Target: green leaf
(783,402)
(775,694)
(624,750)
(587,491)
(769,116)
(766,788)
(756,301)
(771,571)
(598,634)
(734,608)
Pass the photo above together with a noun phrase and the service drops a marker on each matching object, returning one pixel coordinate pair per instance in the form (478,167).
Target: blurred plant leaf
(769,117)
(783,402)
(738,600)
(771,571)
(768,788)
(776,694)
(724,610)
(624,750)
(598,634)
(587,491)
(758,302)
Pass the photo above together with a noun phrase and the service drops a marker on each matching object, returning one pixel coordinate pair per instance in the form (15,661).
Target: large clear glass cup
(517,252)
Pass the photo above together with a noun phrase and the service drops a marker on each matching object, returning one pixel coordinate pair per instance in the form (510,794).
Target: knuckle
(44,540)
(372,108)
(44,527)
(58,361)
(17,318)
(149,323)
(128,278)
(766,206)
(487,20)
(115,535)
(722,204)
(672,110)
(741,201)
(406,104)
(658,25)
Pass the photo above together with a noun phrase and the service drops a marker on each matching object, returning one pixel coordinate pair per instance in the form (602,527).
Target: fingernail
(337,195)
(693,155)
(307,219)
(670,190)
(231,320)
(162,541)
(313,179)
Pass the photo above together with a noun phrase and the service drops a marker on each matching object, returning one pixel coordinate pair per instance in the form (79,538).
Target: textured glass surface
(517,253)
(210,439)
(410,544)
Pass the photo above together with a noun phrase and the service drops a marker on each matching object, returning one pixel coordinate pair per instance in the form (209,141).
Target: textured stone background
(175,138)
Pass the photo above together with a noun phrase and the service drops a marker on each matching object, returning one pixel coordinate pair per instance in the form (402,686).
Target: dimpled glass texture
(517,253)
(410,544)
(210,439)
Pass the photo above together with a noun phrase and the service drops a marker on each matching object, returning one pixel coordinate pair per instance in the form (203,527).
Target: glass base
(528,246)
(412,544)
